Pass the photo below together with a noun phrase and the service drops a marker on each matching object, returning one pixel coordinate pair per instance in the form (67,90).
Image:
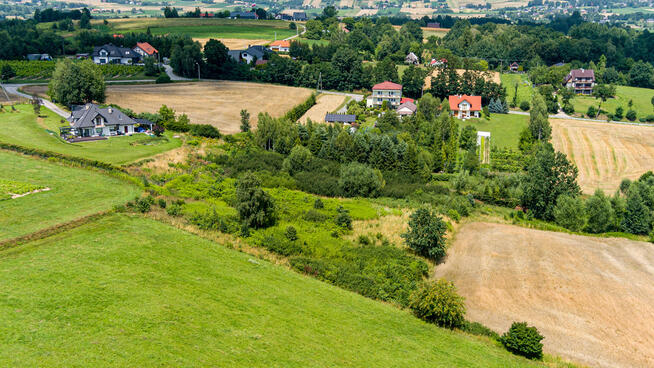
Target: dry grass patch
(604,153)
(592,298)
(235,43)
(489,75)
(325,104)
(390,227)
(217,103)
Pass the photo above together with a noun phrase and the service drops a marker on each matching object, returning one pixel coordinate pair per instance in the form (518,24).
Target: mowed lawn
(24,129)
(524,87)
(73,193)
(504,128)
(207,28)
(642,101)
(129,291)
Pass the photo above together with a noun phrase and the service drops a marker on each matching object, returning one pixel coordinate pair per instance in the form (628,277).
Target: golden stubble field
(218,103)
(325,104)
(489,75)
(592,298)
(604,153)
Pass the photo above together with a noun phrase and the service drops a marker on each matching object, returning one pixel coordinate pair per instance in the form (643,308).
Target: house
(92,121)
(255,52)
(433,25)
(144,125)
(385,92)
(340,118)
(411,59)
(407,108)
(110,54)
(145,50)
(82,56)
(300,16)
(440,62)
(280,46)
(464,106)
(581,81)
(243,15)
(406,99)
(514,67)
(39,57)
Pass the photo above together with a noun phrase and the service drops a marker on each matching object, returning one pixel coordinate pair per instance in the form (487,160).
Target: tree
(549,175)
(631,115)
(85,21)
(426,235)
(599,212)
(360,180)
(637,216)
(7,72)
(523,340)
(314,29)
(245,121)
(150,67)
(388,121)
(539,125)
(298,160)
(185,59)
(641,74)
(76,83)
(217,58)
(343,218)
(36,105)
(385,70)
(603,92)
(619,113)
(413,80)
(569,212)
(438,302)
(255,207)
(468,139)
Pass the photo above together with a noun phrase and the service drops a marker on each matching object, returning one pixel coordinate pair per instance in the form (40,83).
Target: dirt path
(592,298)
(605,153)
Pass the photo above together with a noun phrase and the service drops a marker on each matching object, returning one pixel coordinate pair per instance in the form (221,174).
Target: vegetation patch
(14,189)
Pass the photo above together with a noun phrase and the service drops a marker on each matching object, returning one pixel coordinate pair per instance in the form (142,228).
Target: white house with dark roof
(92,121)
(110,54)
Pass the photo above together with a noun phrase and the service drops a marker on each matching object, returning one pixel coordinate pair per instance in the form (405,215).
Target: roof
(474,101)
(341,118)
(514,63)
(143,121)
(580,73)
(37,57)
(433,25)
(406,99)
(235,54)
(147,48)
(115,51)
(387,86)
(249,15)
(257,50)
(82,116)
(407,105)
(299,15)
(281,43)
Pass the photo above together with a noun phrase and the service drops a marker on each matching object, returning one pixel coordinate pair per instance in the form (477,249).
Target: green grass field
(129,291)
(73,193)
(524,87)
(207,28)
(505,128)
(642,98)
(23,129)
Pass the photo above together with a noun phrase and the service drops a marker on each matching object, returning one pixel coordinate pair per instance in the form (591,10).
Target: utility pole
(198,64)
(319,86)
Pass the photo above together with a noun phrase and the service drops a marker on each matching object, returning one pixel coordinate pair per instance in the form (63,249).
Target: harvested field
(592,298)
(217,103)
(235,43)
(489,75)
(604,153)
(325,104)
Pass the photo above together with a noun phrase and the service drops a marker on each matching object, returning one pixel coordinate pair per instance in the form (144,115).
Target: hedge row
(296,113)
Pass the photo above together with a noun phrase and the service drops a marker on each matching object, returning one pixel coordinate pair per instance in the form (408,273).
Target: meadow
(642,101)
(524,87)
(25,129)
(129,291)
(72,193)
(505,128)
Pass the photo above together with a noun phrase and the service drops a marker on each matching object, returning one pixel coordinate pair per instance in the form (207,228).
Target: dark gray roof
(244,15)
(83,116)
(115,51)
(235,54)
(258,51)
(143,121)
(341,118)
(38,57)
(300,16)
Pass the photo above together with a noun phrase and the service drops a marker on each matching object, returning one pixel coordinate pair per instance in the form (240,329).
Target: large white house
(385,91)
(110,54)
(581,81)
(92,121)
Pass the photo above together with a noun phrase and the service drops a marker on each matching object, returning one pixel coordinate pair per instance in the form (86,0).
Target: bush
(476,328)
(317,204)
(523,340)
(426,235)
(343,218)
(631,115)
(315,216)
(298,160)
(360,180)
(591,112)
(161,202)
(568,108)
(569,212)
(281,245)
(163,78)
(437,302)
(204,130)
(255,207)
(598,211)
(174,210)
(291,233)
(524,105)
(619,113)
(212,220)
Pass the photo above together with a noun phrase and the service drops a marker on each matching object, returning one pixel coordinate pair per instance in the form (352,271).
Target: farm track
(592,298)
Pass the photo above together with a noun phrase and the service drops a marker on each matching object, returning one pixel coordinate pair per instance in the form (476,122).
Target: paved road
(173,76)
(14,90)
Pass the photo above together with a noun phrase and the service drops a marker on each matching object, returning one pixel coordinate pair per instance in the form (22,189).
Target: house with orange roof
(145,50)
(280,46)
(464,106)
(385,92)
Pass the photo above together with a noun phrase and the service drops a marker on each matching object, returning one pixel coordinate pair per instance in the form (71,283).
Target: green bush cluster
(204,130)
(438,302)
(523,340)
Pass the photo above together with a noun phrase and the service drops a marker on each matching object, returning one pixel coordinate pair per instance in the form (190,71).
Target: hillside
(129,291)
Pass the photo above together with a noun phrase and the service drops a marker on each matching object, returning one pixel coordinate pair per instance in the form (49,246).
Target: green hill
(129,291)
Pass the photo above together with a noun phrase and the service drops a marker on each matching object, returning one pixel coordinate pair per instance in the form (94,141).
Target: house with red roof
(464,106)
(280,46)
(145,50)
(385,92)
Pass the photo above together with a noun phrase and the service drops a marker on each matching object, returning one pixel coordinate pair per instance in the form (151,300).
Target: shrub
(255,207)
(161,202)
(591,112)
(298,160)
(317,204)
(568,108)
(318,183)
(426,235)
(476,328)
(142,204)
(437,302)
(569,212)
(163,78)
(212,220)
(181,124)
(363,240)
(631,115)
(598,212)
(174,210)
(314,216)
(291,233)
(524,105)
(360,180)
(453,214)
(523,340)
(281,245)
(619,113)
(204,130)
(343,218)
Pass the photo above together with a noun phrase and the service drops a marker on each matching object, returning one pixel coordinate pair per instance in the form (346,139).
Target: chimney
(582,70)
(110,110)
(86,106)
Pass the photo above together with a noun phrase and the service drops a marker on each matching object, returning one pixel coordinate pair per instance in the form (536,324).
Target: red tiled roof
(406,99)
(387,86)
(474,101)
(147,48)
(281,43)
